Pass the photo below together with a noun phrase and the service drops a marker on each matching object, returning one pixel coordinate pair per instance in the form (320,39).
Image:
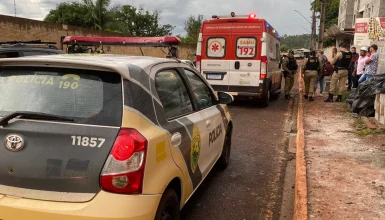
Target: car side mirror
(225,98)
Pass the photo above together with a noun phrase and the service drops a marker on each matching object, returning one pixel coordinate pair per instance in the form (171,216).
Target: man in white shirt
(360,66)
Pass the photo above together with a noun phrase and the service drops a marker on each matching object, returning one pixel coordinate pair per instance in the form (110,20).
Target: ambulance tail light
(198,63)
(263,67)
(123,171)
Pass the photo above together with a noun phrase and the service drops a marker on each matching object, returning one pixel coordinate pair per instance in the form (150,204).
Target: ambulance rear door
(245,67)
(215,65)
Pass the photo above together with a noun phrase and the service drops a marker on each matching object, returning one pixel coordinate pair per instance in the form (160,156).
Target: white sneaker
(321,95)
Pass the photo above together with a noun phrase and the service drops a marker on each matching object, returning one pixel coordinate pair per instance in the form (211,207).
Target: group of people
(345,64)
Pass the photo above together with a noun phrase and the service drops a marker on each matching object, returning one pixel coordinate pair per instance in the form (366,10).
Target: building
(349,11)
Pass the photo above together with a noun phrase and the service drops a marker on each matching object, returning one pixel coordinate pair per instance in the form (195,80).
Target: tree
(138,22)
(98,11)
(72,13)
(331,16)
(284,48)
(98,15)
(296,41)
(192,27)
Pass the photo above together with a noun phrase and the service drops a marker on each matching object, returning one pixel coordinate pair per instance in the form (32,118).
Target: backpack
(328,67)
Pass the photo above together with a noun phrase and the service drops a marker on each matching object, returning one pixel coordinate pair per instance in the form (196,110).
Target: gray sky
(279,13)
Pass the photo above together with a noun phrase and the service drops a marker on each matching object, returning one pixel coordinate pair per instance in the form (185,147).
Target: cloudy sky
(279,13)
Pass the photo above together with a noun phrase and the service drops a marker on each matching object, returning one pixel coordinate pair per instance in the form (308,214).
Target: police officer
(310,72)
(341,63)
(289,67)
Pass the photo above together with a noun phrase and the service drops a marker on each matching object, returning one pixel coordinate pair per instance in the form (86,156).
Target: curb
(300,193)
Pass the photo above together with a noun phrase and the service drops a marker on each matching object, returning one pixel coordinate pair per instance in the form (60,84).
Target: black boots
(311,98)
(305,96)
(330,98)
(287,97)
(339,98)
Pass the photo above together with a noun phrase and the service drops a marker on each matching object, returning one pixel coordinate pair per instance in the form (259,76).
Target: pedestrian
(360,66)
(369,53)
(320,80)
(371,65)
(310,72)
(289,66)
(334,52)
(351,67)
(341,62)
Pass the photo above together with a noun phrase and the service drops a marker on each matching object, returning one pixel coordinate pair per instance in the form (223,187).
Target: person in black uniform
(289,67)
(341,64)
(310,72)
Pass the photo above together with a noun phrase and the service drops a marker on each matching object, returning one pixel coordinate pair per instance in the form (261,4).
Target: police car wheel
(224,160)
(168,208)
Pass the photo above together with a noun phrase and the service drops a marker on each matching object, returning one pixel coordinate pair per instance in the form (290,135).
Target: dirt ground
(346,167)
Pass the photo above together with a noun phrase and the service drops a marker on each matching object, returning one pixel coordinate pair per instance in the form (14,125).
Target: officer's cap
(291,51)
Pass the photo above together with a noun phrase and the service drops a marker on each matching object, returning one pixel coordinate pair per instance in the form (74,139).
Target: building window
(354,20)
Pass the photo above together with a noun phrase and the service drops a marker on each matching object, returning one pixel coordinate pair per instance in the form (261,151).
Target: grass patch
(367,132)
(363,131)
(345,95)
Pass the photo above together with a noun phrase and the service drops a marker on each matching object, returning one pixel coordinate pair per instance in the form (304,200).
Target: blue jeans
(320,80)
(364,77)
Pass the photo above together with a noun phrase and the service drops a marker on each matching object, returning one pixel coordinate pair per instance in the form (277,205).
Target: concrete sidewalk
(345,164)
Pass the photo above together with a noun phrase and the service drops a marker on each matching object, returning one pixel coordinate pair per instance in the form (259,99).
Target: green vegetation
(192,26)
(296,41)
(331,16)
(363,131)
(99,15)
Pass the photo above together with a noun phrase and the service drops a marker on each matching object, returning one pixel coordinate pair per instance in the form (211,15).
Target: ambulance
(240,55)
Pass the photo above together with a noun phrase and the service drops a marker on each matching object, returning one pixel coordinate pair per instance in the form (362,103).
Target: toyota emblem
(14,143)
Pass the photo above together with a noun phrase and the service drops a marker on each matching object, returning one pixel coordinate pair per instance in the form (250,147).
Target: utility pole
(313,28)
(322,24)
(14,5)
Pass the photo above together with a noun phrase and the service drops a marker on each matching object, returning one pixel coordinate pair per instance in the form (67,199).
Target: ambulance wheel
(224,160)
(168,208)
(266,99)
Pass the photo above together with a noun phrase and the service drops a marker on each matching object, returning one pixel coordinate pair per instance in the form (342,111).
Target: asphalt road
(251,187)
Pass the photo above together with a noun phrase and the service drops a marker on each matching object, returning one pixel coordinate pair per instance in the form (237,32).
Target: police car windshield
(84,96)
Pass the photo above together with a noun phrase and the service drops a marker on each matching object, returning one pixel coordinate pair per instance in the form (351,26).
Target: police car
(106,136)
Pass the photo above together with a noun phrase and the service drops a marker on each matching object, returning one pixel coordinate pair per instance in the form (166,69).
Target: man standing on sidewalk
(351,67)
(360,67)
(310,72)
(371,65)
(341,63)
(320,80)
(289,66)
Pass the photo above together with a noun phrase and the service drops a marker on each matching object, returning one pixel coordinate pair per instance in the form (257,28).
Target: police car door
(177,113)
(214,133)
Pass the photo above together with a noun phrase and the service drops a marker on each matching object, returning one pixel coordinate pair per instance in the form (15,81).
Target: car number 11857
(87,141)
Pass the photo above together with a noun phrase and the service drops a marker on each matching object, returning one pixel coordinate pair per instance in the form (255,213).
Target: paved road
(251,187)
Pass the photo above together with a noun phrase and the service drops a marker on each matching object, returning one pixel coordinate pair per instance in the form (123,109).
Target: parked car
(106,136)
(12,49)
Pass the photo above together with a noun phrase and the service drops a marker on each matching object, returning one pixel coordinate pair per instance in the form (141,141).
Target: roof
(96,60)
(335,32)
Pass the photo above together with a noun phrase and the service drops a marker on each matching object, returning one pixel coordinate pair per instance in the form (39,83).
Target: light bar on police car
(123,41)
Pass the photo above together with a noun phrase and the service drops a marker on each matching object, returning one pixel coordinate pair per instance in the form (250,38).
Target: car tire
(224,160)
(266,99)
(169,207)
